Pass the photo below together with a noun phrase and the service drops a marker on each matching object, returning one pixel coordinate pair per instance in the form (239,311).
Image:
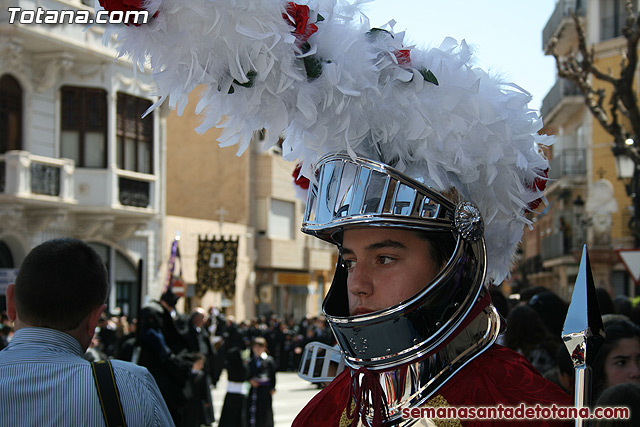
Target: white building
(76,159)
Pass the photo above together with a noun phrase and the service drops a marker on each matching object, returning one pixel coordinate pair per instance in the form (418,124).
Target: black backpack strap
(108,393)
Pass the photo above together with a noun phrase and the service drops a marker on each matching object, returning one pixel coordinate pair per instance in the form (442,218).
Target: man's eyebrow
(384,244)
(620,356)
(388,243)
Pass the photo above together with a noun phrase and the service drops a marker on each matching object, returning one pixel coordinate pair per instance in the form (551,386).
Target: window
(84,126)
(134,134)
(10,114)
(281,219)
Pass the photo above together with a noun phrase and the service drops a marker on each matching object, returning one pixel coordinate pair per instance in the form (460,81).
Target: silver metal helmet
(360,192)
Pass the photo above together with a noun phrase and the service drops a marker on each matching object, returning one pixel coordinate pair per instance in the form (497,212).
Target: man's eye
(385,259)
(349,264)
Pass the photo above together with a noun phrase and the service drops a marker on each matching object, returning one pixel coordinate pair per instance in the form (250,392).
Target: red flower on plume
(539,184)
(298,16)
(300,180)
(403,56)
(124,6)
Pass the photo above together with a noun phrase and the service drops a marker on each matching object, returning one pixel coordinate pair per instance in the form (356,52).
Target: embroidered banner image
(217,261)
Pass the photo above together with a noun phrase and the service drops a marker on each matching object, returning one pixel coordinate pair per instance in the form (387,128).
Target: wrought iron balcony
(562,99)
(135,189)
(133,192)
(29,176)
(569,162)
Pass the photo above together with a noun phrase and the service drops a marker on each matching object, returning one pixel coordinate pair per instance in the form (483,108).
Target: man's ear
(11,305)
(94,316)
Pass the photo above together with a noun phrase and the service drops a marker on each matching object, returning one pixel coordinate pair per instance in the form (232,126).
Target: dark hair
(552,310)
(626,394)
(622,305)
(605,303)
(59,283)
(170,298)
(615,330)
(442,244)
(563,359)
(528,293)
(526,331)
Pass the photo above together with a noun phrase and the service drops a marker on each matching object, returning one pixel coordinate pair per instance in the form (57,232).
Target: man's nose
(359,281)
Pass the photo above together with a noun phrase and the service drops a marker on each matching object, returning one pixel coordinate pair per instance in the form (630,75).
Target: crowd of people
(252,351)
(286,337)
(187,352)
(54,309)
(534,329)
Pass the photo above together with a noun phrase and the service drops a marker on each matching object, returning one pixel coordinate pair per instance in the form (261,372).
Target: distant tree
(616,109)
(608,107)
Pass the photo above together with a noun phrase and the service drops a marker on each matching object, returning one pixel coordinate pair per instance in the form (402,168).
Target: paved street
(291,396)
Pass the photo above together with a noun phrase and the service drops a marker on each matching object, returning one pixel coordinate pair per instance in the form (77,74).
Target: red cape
(497,376)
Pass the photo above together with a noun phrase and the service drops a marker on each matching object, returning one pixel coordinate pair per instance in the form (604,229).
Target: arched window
(10,114)
(123,278)
(6,259)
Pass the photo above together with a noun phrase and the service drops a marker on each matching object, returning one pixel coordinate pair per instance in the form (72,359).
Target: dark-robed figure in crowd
(164,352)
(234,408)
(198,341)
(262,377)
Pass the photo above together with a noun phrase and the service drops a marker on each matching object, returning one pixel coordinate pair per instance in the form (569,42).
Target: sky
(506,35)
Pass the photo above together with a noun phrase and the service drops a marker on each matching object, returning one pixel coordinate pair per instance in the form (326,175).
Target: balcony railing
(134,193)
(45,179)
(27,175)
(135,189)
(561,89)
(569,162)
(563,11)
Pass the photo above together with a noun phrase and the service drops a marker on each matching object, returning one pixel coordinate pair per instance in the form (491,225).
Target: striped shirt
(44,381)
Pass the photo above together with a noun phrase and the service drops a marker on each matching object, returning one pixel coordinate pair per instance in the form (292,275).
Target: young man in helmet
(422,169)
(409,304)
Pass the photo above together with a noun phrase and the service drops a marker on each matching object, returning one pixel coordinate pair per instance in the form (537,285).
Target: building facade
(76,157)
(218,193)
(588,204)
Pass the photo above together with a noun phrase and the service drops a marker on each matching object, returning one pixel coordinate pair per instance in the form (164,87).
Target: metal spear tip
(583,333)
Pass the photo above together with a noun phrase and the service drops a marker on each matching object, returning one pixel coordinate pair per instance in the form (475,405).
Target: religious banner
(217,261)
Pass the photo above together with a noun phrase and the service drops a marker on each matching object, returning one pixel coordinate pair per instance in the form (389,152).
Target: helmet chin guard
(361,192)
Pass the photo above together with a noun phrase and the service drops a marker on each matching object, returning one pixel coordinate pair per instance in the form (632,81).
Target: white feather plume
(471,131)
